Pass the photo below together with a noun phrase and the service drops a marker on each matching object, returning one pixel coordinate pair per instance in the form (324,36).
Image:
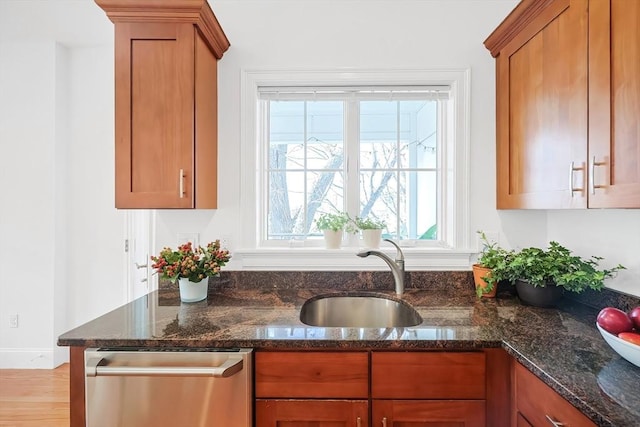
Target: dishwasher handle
(230,367)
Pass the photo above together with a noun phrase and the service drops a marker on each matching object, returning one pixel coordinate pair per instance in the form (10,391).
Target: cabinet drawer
(312,374)
(420,375)
(536,401)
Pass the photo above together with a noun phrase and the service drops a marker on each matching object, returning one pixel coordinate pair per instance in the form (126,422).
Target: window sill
(345,259)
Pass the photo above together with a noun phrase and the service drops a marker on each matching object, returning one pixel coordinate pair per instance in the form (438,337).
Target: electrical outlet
(194,238)
(225,242)
(13,321)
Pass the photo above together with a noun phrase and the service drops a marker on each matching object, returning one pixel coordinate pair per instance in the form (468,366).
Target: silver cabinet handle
(181,181)
(139,266)
(358,422)
(231,367)
(384,421)
(553,422)
(572,169)
(144,279)
(592,183)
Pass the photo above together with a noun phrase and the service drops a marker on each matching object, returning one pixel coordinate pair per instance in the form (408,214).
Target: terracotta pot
(539,296)
(479,273)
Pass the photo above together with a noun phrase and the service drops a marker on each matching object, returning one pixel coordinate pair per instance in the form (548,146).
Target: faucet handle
(399,254)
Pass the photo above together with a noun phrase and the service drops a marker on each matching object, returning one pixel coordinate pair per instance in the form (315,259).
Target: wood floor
(34,397)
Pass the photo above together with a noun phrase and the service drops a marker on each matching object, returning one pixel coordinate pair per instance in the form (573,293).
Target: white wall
(61,240)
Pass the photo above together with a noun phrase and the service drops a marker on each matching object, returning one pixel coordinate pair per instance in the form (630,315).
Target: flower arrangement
(193,264)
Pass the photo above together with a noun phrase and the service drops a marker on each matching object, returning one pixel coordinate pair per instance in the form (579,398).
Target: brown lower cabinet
(398,388)
(537,404)
(312,413)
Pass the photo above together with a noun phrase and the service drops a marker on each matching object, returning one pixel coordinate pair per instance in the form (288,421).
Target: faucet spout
(396,266)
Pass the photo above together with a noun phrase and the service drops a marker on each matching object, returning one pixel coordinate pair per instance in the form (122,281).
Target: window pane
(418,120)
(286,201)
(418,202)
(378,134)
(325,194)
(286,134)
(408,206)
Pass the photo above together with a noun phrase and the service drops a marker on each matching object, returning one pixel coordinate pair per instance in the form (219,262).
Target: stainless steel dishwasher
(168,387)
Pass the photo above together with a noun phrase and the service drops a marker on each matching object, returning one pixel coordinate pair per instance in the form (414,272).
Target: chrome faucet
(397,265)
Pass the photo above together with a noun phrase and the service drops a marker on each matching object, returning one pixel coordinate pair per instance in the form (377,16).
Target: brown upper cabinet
(567,102)
(166,111)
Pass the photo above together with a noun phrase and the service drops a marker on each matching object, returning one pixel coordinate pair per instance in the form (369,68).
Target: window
(373,152)
(390,145)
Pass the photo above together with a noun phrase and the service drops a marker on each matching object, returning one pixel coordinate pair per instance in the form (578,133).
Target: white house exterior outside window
(387,145)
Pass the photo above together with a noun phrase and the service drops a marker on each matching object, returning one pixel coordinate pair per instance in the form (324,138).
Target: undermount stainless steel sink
(358,312)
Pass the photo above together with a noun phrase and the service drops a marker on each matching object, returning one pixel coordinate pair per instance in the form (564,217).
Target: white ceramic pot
(371,238)
(332,239)
(191,291)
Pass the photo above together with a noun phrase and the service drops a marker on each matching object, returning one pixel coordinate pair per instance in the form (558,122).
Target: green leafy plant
(369,223)
(495,258)
(557,265)
(187,262)
(335,222)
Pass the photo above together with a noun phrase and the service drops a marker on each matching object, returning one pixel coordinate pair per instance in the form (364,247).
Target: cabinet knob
(358,422)
(553,422)
(384,421)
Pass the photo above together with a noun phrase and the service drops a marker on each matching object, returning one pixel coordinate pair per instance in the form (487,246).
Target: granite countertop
(561,346)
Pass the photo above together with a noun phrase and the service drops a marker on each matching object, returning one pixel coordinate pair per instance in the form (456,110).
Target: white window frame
(456,253)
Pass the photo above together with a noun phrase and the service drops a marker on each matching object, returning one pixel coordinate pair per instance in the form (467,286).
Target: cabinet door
(539,404)
(522,421)
(428,375)
(312,374)
(311,413)
(154,104)
(428,413)
(614,103)
(542,111)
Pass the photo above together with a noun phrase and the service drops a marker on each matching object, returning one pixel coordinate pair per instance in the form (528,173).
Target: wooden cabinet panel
(542,111)
(538,403)
(311,374)
(568,98)
(154,115)
(428,375)
(614,103)
(428,413)
(522,421)
(312,413)
(166,54)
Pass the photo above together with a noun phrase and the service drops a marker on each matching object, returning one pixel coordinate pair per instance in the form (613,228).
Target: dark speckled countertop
(561,346)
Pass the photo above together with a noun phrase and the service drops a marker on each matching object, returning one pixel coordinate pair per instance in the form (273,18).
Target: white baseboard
(27,358)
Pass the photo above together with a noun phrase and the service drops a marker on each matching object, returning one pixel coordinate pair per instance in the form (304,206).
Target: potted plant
(542,276)
(490,267)
(371,231)
(191,268)
(333,225)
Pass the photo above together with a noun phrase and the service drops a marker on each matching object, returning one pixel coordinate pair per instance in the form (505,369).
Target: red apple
(634,315)
(614,320)
(631,337)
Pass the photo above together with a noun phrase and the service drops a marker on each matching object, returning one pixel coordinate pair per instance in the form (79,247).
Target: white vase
(332,239)
(371,238)
(191,291)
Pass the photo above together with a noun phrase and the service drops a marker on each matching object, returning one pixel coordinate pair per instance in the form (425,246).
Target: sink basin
(358,312)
